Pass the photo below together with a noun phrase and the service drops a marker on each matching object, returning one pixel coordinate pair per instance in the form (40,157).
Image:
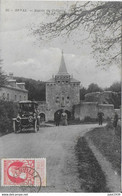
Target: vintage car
(27,117)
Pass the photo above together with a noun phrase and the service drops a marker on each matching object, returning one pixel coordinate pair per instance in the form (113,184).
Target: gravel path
(56,144)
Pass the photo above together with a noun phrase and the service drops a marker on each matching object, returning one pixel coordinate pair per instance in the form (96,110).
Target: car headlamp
(30,119)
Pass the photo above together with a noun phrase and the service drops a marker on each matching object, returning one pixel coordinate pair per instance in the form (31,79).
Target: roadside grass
(108,142)
(91,176)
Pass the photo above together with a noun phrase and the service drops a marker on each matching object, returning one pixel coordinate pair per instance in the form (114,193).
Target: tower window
(57,99)
(3,95)
(8,96)
(68,97)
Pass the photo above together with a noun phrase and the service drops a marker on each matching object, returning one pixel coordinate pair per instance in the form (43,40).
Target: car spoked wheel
(18,127)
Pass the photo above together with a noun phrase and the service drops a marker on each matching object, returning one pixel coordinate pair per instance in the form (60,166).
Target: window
(57,99)
(58,81)
(4,96)
(15,98)
(8,96)
(20,97)
(66,81)
(68,97)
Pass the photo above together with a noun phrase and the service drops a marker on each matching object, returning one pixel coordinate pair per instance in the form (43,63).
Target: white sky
(26,56)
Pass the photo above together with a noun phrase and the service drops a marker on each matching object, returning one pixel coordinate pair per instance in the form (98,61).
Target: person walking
(100,117)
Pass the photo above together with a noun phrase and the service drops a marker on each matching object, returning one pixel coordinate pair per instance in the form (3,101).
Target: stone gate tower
(62,92)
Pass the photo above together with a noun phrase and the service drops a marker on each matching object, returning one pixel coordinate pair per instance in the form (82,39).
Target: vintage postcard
(60,96)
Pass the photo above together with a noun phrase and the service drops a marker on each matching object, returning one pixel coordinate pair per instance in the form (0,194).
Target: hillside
(36,89)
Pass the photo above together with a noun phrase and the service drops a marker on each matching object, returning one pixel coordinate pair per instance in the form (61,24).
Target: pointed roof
(62,68)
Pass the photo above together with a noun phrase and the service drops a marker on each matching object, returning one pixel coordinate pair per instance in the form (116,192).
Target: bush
(8,110)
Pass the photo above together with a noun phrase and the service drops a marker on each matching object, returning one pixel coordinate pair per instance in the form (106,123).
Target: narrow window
(8,96)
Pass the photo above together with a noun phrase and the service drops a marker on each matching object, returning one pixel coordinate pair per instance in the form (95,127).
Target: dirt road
(56,144)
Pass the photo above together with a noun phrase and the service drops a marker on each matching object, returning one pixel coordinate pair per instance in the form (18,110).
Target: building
(62,92)
(13,91)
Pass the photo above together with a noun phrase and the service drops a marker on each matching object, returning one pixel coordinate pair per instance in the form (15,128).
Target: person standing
(57,119)
(64,118)
(115,120)
(100,117)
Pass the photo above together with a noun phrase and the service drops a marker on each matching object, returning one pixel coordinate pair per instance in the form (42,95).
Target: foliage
(36,89)
(8,110)
(94,88)
(91,88)
(112,97)
(115,87)
(83,91)
(108,143)
(101,19)
(2,77)
(91,176)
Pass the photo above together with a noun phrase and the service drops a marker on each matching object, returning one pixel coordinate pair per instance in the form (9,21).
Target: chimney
(10,76)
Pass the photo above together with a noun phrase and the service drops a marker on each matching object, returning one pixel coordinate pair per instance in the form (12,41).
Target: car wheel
(17,128)
(35,126)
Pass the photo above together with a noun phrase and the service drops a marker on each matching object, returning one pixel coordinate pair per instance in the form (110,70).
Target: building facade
(62,92)
(13,91)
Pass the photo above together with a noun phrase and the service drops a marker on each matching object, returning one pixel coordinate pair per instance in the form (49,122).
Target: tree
(115,87)
(83,91)
(101,19)
(94,88)
(36,89)
(2,75)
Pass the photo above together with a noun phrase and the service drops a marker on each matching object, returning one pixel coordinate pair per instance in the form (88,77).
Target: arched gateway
(60,112)
(42,117)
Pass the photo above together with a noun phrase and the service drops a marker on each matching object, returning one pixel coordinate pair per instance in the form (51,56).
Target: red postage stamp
(23,172)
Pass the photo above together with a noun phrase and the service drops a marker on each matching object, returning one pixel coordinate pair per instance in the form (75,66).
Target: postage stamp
(23,172)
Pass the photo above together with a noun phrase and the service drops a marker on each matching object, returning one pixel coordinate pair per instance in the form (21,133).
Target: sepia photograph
(60,96)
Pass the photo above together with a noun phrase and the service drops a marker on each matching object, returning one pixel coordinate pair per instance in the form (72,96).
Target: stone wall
(59,96)
(90,109)
(107,109)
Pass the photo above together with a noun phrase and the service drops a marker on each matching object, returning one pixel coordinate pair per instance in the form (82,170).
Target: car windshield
(27,107)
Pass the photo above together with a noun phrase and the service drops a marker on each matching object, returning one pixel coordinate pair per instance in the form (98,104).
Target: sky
(27,56)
